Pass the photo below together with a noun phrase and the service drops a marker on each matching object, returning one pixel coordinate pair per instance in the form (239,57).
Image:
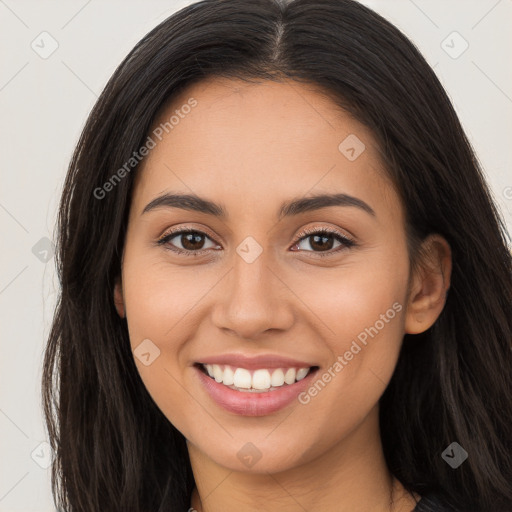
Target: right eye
(191,241)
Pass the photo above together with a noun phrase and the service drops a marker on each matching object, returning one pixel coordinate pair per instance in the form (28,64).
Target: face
(313,293)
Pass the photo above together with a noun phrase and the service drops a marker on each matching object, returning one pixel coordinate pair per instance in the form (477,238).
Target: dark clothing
(429,503)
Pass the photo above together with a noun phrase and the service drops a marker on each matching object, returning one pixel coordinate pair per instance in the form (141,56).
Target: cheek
(159,308)
(355,296)
(362,305)
(359,313)
(160,299)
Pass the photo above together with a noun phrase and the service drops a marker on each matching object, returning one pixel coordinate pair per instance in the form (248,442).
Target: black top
(429,503)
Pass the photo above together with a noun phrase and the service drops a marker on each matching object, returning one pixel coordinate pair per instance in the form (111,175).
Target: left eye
(323,240)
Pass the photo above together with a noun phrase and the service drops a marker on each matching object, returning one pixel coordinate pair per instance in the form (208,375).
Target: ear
(118,298)
(429,285)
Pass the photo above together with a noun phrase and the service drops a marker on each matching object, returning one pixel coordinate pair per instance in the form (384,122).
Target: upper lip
(255,362)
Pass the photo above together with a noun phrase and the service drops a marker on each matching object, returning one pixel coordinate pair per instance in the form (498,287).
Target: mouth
(260,380)
(254,391)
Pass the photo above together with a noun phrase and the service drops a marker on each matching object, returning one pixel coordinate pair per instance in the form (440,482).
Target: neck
(352,475)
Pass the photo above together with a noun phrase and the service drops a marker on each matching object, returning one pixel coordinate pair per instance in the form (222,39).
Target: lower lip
(253,404)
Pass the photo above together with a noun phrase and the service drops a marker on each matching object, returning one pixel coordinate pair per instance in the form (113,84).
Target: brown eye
(187,241)
(322,241)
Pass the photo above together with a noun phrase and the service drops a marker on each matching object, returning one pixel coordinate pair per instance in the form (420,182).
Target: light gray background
(44,103)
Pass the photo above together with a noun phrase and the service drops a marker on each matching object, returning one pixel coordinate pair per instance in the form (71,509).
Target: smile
(253,387)
(256,381)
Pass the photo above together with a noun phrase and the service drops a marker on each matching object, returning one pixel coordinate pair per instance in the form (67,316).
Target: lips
(256,362)
(254,386)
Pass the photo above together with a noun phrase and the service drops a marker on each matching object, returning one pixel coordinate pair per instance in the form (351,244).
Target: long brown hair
(114,449)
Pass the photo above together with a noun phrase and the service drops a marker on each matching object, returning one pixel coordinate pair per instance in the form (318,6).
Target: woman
(285,285)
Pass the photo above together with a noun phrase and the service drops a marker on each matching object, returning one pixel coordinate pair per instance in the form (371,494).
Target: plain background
(44,103)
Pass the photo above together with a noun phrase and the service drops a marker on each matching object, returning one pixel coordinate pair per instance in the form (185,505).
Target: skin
(249,147)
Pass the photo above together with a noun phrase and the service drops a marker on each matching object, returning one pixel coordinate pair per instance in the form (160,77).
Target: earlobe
(118,298)
(429,285)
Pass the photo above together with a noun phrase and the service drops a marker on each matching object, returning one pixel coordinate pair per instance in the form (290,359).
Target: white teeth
(301,373)
(242,378)
(289,376)
(228,378)
(217,373)
(277,378)
(259,380)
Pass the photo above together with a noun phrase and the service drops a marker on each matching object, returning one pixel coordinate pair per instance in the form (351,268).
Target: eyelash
(306,233)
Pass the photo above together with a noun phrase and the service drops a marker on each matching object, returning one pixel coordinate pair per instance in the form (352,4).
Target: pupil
(320,240)
(190,239)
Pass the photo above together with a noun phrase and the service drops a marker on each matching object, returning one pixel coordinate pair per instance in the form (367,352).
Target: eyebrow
(289,208)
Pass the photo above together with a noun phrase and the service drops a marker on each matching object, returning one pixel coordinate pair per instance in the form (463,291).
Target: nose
(254,300)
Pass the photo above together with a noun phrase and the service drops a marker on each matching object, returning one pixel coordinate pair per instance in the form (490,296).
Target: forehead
(257,143)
